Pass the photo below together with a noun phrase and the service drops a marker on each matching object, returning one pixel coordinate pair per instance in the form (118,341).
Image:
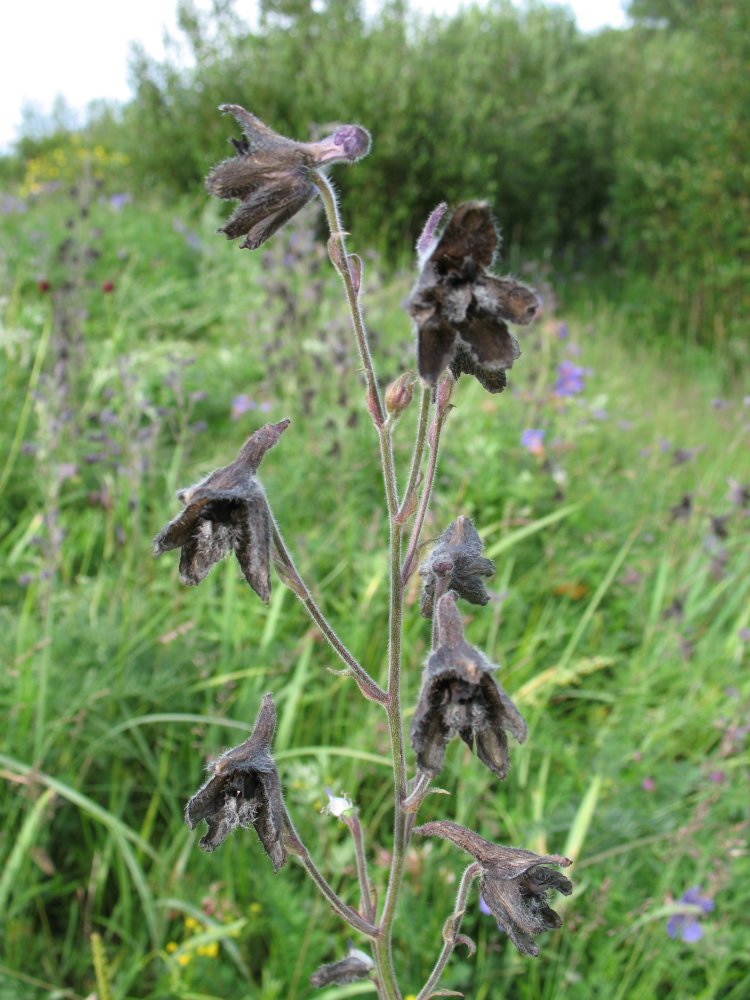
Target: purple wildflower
(483,908)
(118,201)
(570,379)
(648,785)
(242,404)
(563,332)
(685,925)
(744,634)
(532,439)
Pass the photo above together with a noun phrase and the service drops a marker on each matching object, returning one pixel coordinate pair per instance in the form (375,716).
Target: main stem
(340,260)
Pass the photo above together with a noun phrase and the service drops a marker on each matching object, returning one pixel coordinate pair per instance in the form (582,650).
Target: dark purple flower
(460,697)
(514,883)
(456,560)
(242,404)
(244,790)
(271,176)
(570,379)
(686,925)
(227,511)
(460,309)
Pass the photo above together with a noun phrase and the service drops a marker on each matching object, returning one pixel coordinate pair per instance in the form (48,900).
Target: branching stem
(294,581)
(451,929)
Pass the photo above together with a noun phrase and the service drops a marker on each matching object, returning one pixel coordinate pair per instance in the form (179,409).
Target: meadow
(611,483)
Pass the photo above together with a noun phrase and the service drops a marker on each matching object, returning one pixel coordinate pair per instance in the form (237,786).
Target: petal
(177,533)
(252,544)
(490,342)
(259,135)
(236,177)
(256,446)
(437,340)
(506,298)
(492,750)
(470,232)
(206,546)
(429,733)
(501,709)
(269,822)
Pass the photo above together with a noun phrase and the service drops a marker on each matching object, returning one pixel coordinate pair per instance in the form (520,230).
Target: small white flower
(337,804)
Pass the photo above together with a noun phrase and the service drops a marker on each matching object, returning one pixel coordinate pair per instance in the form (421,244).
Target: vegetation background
(139,350)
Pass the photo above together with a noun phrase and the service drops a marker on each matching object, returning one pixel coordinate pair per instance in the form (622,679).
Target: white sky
(79,48)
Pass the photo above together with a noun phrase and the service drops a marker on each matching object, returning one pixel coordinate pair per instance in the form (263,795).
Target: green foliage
(119,683)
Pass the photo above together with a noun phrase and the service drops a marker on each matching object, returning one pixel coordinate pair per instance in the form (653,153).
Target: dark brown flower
(514,883)
(226,511)
(456,559)
(271,175)
(244,790)
(461,310)
(460,697)
(357,965)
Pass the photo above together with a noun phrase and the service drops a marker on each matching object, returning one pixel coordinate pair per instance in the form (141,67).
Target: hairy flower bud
(271,175)
(357,965)
(457,559)
(399,394)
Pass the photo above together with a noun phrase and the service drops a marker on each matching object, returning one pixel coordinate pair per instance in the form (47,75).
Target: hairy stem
(346,912)
(409,563)
(294,581)
(355,828)
(450,930)
(340,261)
(416,461)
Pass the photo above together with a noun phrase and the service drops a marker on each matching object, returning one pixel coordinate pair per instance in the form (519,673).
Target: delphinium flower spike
(226,511)
(244,790)
(460,697)
(271,175)
(461,309)
(514,883)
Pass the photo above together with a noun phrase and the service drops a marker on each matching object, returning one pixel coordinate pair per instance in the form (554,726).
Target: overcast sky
(79,48)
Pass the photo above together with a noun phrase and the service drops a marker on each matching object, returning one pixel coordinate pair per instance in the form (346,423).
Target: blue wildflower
(570,379)
(686,925)
(532,439)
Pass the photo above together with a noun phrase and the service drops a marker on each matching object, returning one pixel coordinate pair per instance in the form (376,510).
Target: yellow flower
(191,924)
(256,909)
(184,959)
(171,946)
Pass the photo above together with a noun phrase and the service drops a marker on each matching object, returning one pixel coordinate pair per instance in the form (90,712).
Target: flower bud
(398,395)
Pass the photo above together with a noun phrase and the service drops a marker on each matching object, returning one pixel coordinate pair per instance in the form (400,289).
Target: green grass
(119,683)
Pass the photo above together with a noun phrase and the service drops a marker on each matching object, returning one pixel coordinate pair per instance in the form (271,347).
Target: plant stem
(343,267)
(294,581)
(416,462)
(355,828)
(424,500)
(451,929)
(346,912)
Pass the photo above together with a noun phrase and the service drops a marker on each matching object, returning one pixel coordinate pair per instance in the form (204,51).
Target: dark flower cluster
(460,697)
(456,563)
(227,512)
(514,883)
(244,790)
(271,176)
(461,310)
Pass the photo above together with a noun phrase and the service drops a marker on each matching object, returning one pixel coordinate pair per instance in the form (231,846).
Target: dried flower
(514,883)
(357,965)
(460,308)
(244,790)
(456,559)
(271,175)
(460,697)
(226,511)
(685,925)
